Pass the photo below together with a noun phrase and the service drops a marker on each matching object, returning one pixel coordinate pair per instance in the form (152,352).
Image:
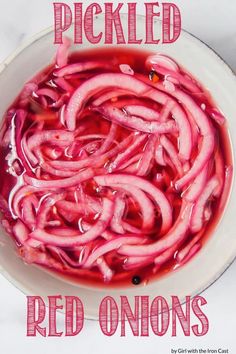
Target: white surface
(18,21)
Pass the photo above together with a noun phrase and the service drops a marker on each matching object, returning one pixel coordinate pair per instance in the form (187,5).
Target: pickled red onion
(115,169)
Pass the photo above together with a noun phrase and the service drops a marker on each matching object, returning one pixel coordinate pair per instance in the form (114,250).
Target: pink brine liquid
(115,167)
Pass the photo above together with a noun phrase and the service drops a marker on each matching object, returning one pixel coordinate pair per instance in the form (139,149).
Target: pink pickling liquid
(38,111)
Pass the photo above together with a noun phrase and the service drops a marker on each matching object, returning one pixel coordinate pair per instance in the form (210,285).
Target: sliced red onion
(159,154)
(110,140)
(175,235)
(60,183)
(169,86)
(63,52)
(91,137)
(206,131)
(45,208)
(173,154)
(192,252)
(34,255)
(198,210)
(95,85)
(127,153)
(197,186)
(185,137)
(16,198)
(91,206)
(55,172)
(53,153)
(227,187)
(165,256)
(105,269)
(72,241)
(4,209)
(111,95)
(30,157)
(126,69)
(54,136)
(96,161)
(63,84)
(68,208)
(63,231)
(29,206)
(131,169)
(21,232)
(120,117)
(28,91)
(166,110)
(155,193)
(17,124)
(145,204)
(68,260)
(91,147)
(119,209)
(143,112)
(132,160)
(183,253)
(137,262)
(220,172)
(145,163)
(132,229)
(48,93)
(33,243)
(216,116)
(176,78)
(107,235)
(163,61)
(79,67)
(110,246)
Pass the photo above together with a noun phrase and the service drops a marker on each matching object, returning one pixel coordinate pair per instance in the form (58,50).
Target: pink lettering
(144,316)
(112,18)
(93,9)
(53,307)
(159,316)
(35,304)
(74,316)
(132,15)
(78,32)
(184,319)
(63,20)
(150,14)
(171,11)
(108,316)
(126,313)
(200,315)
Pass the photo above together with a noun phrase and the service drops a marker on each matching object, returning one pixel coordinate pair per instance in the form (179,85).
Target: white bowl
(220,250)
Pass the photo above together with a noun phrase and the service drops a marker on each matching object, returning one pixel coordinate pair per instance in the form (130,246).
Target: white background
(214,22)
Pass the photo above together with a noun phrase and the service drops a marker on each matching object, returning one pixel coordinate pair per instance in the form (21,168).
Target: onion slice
(72,241)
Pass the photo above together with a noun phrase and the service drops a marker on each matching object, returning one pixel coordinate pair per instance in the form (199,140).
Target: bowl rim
(38,36)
